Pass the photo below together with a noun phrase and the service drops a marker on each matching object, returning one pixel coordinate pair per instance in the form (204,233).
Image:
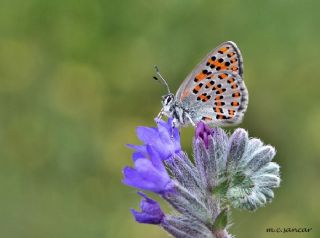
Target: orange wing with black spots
(215,91)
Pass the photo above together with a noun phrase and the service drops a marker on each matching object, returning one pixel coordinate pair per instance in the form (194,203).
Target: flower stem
(221,234)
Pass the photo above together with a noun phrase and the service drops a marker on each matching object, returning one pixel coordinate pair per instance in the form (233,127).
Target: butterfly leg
(160,114)
(173,126)
(190,119)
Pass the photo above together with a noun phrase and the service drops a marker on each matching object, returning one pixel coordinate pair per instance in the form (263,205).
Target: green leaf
(221,189)
(222,220)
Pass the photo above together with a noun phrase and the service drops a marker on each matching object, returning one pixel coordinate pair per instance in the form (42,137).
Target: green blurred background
(76,79)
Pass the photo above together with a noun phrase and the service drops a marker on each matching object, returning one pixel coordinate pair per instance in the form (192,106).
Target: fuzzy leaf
(186,174)
(221,189)
(218,149)
(221,221)
(205,164)
(237,146)
(185,227)
(261,158)
(186,203)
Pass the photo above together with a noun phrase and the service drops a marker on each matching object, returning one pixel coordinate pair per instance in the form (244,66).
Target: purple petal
(144,195)
(155,159)
(150,174)
(167,125)
(146,218)
(160,139)
(171,145)
(147,177)
(165,132)
(199,129)
(203,132)
(138,148)
(131,177)
(148,204)
(147,135)
(138,155)
(151,212)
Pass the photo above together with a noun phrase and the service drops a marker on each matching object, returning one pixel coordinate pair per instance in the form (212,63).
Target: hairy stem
(221,234)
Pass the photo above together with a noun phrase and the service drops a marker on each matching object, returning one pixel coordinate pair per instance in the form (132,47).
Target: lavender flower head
(227,171)
(148,173)
(160,139)
(150,211)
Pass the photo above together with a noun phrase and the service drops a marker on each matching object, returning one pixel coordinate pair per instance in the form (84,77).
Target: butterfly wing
(215,91)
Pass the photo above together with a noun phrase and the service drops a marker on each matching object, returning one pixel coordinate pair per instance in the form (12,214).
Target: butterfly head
(168,100)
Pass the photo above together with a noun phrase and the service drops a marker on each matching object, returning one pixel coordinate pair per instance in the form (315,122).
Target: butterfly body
(214,92)
(174,109)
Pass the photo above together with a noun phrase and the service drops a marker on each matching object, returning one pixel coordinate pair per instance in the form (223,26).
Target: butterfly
(214,92)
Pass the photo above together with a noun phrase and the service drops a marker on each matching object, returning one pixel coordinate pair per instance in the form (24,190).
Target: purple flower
(226,171)
(150,211)
(164,139)
(148,173)
(203,132)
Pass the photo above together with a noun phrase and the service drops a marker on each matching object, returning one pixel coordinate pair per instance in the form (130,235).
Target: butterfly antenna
(162,80)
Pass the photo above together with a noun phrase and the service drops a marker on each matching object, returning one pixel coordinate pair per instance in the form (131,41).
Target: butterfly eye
(167,99)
